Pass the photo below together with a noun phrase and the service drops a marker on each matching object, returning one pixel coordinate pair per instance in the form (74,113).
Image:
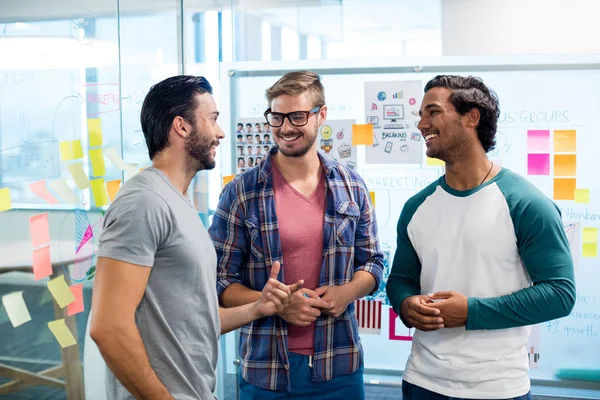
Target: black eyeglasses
(296,118)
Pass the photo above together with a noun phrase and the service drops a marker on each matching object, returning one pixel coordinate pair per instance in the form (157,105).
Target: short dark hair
(470,92)
(172,97)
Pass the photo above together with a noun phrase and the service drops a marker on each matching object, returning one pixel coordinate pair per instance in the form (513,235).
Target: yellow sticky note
(16,308)
(61,292)
(564,188)
(590,235)
(372,194)
(434,162)
(565,165)
(99,192)
(565,141)
(97,160)
(227,179)
(94,126)
(77,149)
(81,180)
(582,195)
(590,250)
(362,134)
(5,202)
(113,188)
(62,333)
(66,151)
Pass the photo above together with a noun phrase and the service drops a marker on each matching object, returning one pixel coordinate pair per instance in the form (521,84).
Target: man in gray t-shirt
(155,313)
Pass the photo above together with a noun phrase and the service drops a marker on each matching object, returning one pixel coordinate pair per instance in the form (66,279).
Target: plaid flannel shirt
(245,233)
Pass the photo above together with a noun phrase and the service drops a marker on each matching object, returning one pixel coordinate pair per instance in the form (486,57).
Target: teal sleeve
(546,255)
(405,278)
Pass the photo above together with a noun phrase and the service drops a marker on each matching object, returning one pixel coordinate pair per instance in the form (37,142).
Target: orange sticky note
(94,126)
(227,179)
(97,160)
(38,228)
(434,162)
(5,202)
(372,194)
(565,165)
(99,192)
(564,188)
(40,189)
(362,134)
(42,267)
(565,141)
(76,306)
(113,188)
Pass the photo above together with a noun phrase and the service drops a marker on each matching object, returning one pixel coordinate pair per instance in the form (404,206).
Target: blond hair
(297,82)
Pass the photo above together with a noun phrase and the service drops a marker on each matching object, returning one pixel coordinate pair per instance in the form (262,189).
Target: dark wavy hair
(470,92)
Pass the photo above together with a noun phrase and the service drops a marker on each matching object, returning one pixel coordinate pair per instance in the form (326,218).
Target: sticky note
(590,235)
(113,188)
(582,195)
(42,266)
(564,188)
(590,250)
(227,179)
(565,141)
(372,195)
(66,152)
(16,308)
(97,160)
(77,149)
(40,189)
(538,164)
(115,158)
(434,162)
(5,202)
(99,192)
(94,126)
(362,134)
(80,178)
(76,306)
(38,228)
(538,141)
(62,333)
(565,165)
(62,189)
(60,291)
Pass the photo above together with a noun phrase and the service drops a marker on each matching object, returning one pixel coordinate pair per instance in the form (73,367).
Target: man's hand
(337,297)
(453,308)
(418,311)
(275,295)
(304,309)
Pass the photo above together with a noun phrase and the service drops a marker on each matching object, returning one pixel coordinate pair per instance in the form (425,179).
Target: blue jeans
(347,387)
(414,392)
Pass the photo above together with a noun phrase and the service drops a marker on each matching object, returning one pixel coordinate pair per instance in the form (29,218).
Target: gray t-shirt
(152,224)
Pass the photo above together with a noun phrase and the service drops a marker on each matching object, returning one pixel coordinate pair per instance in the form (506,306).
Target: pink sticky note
(538,164)
(538,141)
(397,329)
(38,226)
(42,267)
(76,306)
(40,189)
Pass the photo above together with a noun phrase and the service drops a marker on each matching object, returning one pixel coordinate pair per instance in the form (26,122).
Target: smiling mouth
(430,137)
(289,138)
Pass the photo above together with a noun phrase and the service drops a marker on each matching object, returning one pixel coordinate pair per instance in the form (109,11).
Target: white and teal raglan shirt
(501,244)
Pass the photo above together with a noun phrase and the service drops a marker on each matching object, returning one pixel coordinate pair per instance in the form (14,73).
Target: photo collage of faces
(253,141)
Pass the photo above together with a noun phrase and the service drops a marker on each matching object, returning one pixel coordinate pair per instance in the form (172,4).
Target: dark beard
(297,153)
(198,150)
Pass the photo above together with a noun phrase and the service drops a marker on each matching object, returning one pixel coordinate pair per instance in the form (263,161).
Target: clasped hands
(426,313)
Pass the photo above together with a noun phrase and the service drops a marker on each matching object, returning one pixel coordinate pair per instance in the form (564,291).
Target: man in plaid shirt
(315,217)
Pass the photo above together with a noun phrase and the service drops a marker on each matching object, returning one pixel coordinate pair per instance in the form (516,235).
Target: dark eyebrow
(215,113)
(429,107)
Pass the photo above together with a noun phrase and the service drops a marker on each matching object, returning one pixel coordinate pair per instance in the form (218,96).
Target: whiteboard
(540,96)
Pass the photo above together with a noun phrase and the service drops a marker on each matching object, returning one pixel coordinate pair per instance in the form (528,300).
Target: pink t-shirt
(300,221)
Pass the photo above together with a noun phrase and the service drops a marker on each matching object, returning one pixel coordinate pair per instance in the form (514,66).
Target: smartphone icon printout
(388,147)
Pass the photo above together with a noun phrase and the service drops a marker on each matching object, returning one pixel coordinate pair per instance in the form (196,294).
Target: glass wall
(73,76)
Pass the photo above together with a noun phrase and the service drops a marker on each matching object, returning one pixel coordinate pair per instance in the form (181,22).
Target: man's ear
(180,127)
(473,116)
(322,115)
